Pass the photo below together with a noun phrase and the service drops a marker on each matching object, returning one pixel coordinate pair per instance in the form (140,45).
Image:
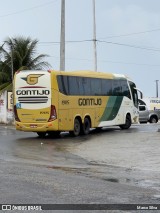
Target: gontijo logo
(32,79)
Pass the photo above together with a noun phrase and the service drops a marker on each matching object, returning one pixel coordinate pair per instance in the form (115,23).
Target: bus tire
(41,134)
(54,134)
(86,126)
(77,128)
(127,123)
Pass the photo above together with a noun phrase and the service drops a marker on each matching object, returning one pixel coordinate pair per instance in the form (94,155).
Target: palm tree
(19,54)
(4,76)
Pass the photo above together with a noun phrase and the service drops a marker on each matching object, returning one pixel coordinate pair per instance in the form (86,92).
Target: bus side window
(95,86)
(63,84)
(73,86)
(80,85)
(86,86)
(116,87)
(106,87)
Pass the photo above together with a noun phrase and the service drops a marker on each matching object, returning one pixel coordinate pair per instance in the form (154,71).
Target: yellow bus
(49,102)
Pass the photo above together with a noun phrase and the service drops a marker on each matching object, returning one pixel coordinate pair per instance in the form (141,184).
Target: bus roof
(88,73)
(84,73)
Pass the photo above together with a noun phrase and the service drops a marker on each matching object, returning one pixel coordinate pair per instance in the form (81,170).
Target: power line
(133,46)
(46,43)
(69,41)
(108,42)
(27,9)
(132,34)
(109,61)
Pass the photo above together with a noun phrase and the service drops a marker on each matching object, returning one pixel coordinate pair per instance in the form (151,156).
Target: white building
(6,108)
(152,103)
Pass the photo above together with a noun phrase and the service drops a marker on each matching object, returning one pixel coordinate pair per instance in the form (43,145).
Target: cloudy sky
(128,35)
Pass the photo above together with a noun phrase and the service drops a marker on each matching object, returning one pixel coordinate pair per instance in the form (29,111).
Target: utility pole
(12,71)
(94,37)
(62,43)
(156,88)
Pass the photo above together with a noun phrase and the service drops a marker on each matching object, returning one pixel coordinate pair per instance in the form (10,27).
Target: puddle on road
(107,174)
(150,184)
(114,180)
(69,169)
(95,172)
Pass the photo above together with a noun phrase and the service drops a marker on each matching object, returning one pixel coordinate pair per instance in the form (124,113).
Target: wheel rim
(154,120)
(76,127)
(86,125)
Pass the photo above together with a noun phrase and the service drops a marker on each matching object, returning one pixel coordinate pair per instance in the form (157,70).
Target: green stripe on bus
(112,108)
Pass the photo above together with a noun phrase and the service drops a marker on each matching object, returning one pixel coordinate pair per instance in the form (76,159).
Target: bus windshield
(134,93)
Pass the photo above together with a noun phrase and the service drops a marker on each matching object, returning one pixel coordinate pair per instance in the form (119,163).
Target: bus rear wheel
(86,126)
(77,128)
(41,134)
(54,134)
(127,123)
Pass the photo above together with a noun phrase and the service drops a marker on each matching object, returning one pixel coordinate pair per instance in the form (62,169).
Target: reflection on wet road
(105,146)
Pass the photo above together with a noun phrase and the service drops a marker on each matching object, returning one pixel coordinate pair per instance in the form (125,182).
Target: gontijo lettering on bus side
(89,101)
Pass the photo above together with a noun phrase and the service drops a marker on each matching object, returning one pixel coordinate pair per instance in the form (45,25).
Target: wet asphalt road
(110,166)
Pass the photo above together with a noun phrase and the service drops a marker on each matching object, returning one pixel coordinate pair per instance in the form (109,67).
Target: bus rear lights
(50,124)
(53,114)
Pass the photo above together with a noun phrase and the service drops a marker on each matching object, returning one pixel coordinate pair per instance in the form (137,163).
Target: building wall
(152,103)
(6,108)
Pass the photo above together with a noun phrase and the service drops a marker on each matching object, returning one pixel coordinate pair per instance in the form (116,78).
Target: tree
(20,53)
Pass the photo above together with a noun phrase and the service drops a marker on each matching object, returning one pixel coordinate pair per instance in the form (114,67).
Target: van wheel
(153,119)
(77,128)
(86,126)
(41,134)
(127,123)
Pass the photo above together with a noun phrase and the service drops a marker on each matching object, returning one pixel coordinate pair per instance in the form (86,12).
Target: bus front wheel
(77,128)
(127,123)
